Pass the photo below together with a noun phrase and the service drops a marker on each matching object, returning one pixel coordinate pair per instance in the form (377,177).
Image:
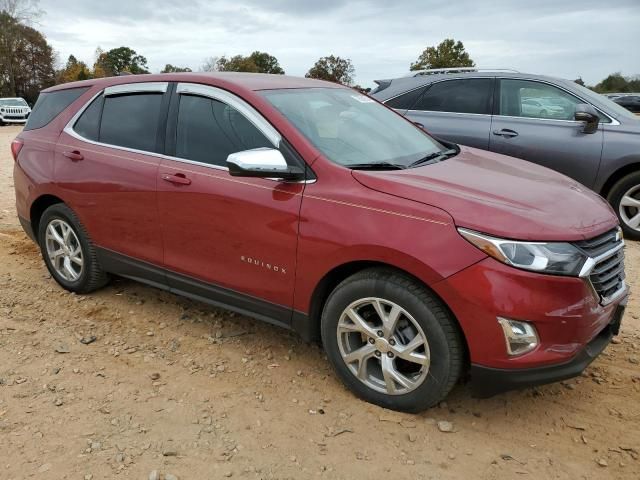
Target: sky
(564,38)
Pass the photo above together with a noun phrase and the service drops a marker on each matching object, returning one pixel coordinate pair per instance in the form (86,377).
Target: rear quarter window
(50,104)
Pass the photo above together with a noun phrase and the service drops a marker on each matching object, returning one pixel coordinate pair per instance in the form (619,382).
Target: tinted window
(88,125)
(131,120)
(471,95)
(525,98)
(209,131)
(406,100)
(50,105)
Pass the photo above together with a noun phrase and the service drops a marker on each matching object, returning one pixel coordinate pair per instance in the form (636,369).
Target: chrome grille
(607,263)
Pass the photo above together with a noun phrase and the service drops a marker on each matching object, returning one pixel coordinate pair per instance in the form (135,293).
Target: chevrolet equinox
(416,262)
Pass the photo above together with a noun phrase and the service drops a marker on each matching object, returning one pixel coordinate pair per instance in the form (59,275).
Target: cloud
(587,38)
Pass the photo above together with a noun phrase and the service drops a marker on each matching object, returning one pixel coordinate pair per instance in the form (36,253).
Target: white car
(538,108)
(14,110)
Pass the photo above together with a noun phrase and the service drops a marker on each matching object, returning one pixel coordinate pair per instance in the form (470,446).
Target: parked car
(311,206)
(14,110)
(592,139)
(538,108)
(630,102)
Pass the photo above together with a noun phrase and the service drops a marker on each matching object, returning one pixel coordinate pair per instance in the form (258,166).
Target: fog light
(521,337)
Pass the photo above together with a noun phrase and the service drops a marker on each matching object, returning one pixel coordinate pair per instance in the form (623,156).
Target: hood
(501,196)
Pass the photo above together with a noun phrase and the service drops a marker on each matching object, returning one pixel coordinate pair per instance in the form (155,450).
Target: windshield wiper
(434,157)
(376,166)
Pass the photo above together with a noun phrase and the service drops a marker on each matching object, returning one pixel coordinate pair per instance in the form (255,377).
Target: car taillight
(16,146)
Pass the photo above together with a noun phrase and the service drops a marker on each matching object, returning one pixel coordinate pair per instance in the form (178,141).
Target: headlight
(545,257)
(1,110)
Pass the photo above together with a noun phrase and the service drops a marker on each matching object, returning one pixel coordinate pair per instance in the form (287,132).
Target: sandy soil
(176,387)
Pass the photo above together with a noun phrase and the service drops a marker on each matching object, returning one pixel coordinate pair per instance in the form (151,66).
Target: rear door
(226,238)
(458,110)
(107,162)
(535,121)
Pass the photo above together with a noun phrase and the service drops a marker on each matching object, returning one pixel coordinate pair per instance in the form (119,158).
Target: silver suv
(14,110)
(553,122)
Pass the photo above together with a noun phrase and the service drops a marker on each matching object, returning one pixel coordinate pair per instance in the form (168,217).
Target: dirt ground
(177,387)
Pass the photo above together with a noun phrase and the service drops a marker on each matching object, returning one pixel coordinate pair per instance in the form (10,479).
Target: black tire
(443,334)
(92,276)
(619,189)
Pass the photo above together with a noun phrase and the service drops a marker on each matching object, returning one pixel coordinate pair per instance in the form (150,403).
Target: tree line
(27,61)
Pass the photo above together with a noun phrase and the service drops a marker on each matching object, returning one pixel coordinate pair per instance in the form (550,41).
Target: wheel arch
(309,325)
(617,175)
(38,207)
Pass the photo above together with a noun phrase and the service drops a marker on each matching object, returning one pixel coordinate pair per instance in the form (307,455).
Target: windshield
(352,129)
(12,102)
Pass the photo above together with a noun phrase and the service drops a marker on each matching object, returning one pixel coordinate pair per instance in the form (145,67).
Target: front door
(535,121)
(226,238)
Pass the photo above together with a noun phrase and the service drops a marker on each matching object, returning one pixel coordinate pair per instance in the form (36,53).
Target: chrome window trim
(240,105)
(68,129)
(141,87)
(612,121)
(447,113)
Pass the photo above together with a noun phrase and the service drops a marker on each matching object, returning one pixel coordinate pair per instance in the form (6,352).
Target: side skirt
(195,289)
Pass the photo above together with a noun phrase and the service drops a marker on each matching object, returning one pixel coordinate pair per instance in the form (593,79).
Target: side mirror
(587,114)
(262,163)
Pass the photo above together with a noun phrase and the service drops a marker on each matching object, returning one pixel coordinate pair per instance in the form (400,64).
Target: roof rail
(435,71)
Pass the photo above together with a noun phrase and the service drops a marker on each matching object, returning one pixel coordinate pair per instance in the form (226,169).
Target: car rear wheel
(68,251)
(391,341)
(625,199)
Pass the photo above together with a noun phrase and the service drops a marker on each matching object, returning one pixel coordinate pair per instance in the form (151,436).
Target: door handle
(75,155)
(506,133)
(176,178)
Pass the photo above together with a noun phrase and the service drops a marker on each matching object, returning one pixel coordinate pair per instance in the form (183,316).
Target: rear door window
(406,100)
(208,131)
(470,95)
(131,120)
(88,125)
(50,104)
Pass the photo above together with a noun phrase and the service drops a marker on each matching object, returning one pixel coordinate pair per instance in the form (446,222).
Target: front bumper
(573,325)
(487,381)
(13,120)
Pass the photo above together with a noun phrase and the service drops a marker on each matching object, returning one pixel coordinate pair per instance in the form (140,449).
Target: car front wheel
(391,341)
(625,199)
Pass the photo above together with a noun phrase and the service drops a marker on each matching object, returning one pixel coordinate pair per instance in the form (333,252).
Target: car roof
(240,80)
(404,84)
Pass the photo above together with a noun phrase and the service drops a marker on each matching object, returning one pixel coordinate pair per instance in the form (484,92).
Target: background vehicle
(13,110)
(311,206)
(630,102)
(591,138)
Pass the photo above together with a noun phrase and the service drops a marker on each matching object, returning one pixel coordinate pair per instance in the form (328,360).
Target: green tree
(168,68)
(448,54)
(257,62)
(266,63)
(333,69)
(119,60)
(617,83)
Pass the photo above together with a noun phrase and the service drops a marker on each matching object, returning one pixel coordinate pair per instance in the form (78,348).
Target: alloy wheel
(64,250)
(630,208)
(383,346)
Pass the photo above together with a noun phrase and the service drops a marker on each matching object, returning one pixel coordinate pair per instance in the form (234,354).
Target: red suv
(308,205)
